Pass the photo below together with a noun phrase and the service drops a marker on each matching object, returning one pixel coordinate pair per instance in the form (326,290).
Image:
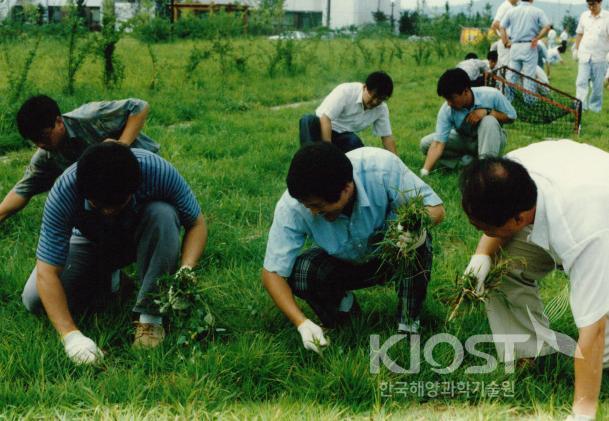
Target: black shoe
(344,317)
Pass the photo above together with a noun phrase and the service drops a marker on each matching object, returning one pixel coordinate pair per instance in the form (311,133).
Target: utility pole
(328,9)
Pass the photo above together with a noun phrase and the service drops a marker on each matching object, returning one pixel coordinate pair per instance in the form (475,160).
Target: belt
(522,42)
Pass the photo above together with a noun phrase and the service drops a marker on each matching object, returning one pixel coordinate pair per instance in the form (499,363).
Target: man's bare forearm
(133,126)
(12,203)
(326,128)
(490,246)
(282,295)
(588,370)
(435,151)
(194,243)
(389,144)
(53,297)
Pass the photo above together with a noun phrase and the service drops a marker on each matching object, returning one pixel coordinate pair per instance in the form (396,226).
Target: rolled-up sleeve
(404,185)
(332,105)
(503,105)
(39,176)
(285,241)
(443,124)
(589,277)
(382,125)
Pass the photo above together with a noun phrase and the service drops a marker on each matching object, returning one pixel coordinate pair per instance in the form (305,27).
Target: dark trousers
(310,131)
(323,280)
(153,243)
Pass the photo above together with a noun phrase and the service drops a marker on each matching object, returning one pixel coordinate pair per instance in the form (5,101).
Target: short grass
(223,132)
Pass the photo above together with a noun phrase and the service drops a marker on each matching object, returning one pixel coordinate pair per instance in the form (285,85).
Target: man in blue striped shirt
(113,207)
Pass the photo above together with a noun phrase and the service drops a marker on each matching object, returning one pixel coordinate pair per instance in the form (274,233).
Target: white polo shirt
(594,45)
(474,67)
(501,11)
(572,218)
(345,109)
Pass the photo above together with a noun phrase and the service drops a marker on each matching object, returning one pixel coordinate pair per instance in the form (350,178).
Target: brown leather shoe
(148,335)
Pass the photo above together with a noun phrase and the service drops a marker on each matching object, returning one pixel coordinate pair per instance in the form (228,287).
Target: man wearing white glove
(113,207)
(545,206)
(591,48)
(340,201)
(479,266)
(80,349)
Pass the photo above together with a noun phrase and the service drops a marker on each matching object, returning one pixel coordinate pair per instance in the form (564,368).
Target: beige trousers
(515,307)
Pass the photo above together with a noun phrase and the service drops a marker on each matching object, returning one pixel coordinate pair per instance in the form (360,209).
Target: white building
(342,12)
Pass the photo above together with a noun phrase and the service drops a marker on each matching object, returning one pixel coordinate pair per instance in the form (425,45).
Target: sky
(412,4)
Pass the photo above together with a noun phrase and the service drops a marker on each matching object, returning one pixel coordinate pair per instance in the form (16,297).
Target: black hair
(108,173)
(471,55)
(320,170)
(35,115)
(494,190)
(380,83)
(562,48)
(492,55)
(453,81)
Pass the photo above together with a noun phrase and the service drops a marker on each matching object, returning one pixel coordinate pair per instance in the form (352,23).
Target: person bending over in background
(61,139)
(113,207)
(350,108)
(475,68)
(469,123)
(341,202)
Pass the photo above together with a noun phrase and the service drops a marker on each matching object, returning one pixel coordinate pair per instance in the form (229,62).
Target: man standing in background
(526,25)
(591,48)
(502,52)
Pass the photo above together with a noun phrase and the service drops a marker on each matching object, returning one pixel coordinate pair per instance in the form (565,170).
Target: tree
(569,23)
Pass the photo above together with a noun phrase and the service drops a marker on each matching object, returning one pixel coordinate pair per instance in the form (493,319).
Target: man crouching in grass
(340,201)
(124,205)
(545,206)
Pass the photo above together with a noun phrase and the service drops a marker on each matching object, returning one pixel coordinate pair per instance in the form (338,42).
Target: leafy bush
(152,29)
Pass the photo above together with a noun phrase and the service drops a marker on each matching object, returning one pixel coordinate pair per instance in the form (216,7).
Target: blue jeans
(594,74)
(310,131)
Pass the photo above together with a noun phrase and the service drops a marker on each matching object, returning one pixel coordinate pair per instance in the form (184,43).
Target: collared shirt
(382,184)
(571,221)
(91,123)
(524,22)
(474,67)
(594,45)
(484,97)
(160,182)
(345,108)
(501,11)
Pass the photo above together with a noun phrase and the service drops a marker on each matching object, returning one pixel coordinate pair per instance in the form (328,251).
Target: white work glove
(574,53)
(479,266)
(423,172)
(81,349)
(312,336)
(576,417)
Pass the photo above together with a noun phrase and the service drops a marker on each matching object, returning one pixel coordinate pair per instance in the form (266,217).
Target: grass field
(228,134)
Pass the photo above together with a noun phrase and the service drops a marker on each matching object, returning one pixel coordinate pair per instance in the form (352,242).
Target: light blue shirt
(524,22)
(484,97)
(382,183)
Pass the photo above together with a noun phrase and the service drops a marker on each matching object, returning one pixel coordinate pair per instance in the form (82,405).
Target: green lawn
(221,130)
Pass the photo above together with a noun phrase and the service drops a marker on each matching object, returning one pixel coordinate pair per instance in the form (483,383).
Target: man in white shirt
(545,206)
(475,68)
(552,37)
(502,52)
(591,48)
(350,108)
(526,25)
